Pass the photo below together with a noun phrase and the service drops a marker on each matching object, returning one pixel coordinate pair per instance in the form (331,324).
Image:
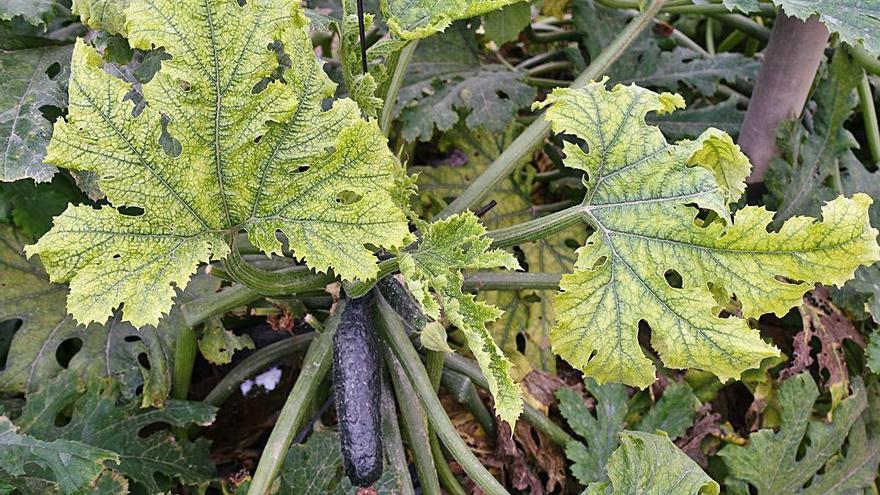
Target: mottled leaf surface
(773,463)
(107,15)
(650,464)
(99,420)
(640,195)
(106,351)
(74,466)
(32,78)
(447,77)
(236,153)
(33,11)
(857,22)
(433,275)
(414,19)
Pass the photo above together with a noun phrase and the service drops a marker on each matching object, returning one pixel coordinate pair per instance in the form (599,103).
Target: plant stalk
(199,310)
(533,416)
(869,62)
(394,442)
(395,335)
(412,420)
(256,362)
(287,282)
(315,367)
(869,116)
(401,63)
(184,357)
(535,133)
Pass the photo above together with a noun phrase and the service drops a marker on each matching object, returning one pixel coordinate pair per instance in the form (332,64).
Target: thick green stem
(538,228)
(869,62)
(256,362)
(434,365)
(512,281)
(394,442)
(395,335)
(498,171)
(869,117)
(184,357)
(533,416)
(412,420)
(463,390)
(274,283)
(315,367)
(389,93)
(746,25)
(199,310)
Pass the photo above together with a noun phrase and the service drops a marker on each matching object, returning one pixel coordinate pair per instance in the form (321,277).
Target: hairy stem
(869,62)
(434,364)
(869,116)
(394,441)
(395,335)
(256,362)
(199,310)
(412,420)
(512,281)
(389,93)
(535,133)
(315,367)
(184,357)
(288,281)
(790,63)
(533,416)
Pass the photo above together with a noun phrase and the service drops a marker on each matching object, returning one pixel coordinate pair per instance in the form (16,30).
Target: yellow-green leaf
(433,275)
(414,19)
(641,199)
(219,148)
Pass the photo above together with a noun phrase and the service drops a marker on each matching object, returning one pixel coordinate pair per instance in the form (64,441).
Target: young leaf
(773,462)
(32,79)
(413,19)
(237,152)
(97,419)
(446,76)
(106,351)
(529,312)
(651,465)
(640,195)
(433,275)
(73,465)
(857,22)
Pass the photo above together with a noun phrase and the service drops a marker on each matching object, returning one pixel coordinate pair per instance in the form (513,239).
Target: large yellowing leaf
(219,148)
(641,200)
(433,275)
(414,19)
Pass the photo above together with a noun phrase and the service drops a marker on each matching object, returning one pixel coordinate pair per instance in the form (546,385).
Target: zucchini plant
(408,180)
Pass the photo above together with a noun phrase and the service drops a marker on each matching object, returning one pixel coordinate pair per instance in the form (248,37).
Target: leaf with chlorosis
(414,19)
(651,464)
(433,275)
(220,147)
(667,250)
(106,15)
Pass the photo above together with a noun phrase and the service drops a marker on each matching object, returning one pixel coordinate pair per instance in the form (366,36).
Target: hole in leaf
(53,70)
(301,169)
(170,144)
(502,95)
(348,198)
(645,338)
(51,112)
(8,329)
(65,352)
(132,338)
(131,211)
(258,139)
(143,360)
(532,298)
(62,419)
(673,278)
(152,429)
(571,243)
(521,342)
(185,86)
(261,85)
